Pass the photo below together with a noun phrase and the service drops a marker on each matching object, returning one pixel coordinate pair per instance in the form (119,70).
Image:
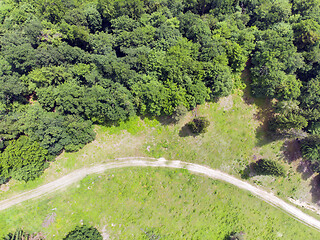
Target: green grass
(173,204)
(235,138)
(229,140)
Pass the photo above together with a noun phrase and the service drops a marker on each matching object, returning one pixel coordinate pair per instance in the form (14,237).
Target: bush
(198,125)
(19,234)
(269,167)
(236,236)
(84,232)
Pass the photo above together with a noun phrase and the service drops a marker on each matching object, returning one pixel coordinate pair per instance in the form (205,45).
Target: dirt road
(148,162)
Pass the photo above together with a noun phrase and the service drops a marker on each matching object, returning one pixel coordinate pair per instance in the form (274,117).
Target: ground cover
(235,138)
(137,203)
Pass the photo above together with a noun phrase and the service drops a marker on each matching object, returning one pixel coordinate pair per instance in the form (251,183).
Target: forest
(68,64)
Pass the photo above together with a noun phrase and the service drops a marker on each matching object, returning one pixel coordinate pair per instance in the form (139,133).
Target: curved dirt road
(143,162)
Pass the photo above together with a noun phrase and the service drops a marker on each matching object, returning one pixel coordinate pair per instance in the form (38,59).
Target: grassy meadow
(141,203)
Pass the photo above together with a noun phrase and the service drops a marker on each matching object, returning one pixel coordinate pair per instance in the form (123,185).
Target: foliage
(55,132)
(198,125)
(84,232)
(269,167)
(105,61)
(310,149)
(23,159)
(236,236)
(19,234)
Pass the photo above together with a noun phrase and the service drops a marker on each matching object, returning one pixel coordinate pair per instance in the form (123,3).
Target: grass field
(235,138)
(172,204)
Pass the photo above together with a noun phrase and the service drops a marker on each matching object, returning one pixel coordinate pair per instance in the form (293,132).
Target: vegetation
(236,236)
(179,113)
(310,148)
(138,203)
(23,159)
(198,125)
(19,234)
(65,65)
(84,232)
(269,167)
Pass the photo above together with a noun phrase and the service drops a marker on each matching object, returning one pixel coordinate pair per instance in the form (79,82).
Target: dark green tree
(24,159)
(198,125)
(310,149)
(269,167)
(84,232)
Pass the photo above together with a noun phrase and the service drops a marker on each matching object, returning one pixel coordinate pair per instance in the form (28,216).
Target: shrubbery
(23,159)
(269,167)
(20,234)
(310,149)
(84,232)
(198,125)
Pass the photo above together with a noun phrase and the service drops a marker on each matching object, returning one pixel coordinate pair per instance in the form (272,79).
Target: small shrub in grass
(235,236)
(269,167)
(19,234)
(84,232)
(198,125)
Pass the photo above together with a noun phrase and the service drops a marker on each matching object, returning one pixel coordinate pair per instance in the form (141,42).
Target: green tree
(194,28)
(109,102)
(288,121)
(24,159)
(84,232)
(93,18)
(269,167)
(53,131)
(306,34)
(219,79)
(270,12)
(310,99)
(198,125)
(310,149)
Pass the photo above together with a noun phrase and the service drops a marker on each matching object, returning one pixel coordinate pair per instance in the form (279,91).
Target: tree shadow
(305,168)
(186,132)
(315,189)
(4,180)
(291,150)
(166,120)
(248,172)
(264,115)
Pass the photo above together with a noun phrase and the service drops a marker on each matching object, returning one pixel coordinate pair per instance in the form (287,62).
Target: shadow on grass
(248,172)
(166,120)
(4,180)
(186,132)
(305,168)
(291,150)
(315,190)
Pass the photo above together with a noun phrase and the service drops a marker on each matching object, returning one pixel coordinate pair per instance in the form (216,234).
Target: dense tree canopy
(23,159)
(67,64)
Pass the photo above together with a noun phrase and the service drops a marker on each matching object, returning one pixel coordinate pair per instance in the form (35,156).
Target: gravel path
(77,175)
